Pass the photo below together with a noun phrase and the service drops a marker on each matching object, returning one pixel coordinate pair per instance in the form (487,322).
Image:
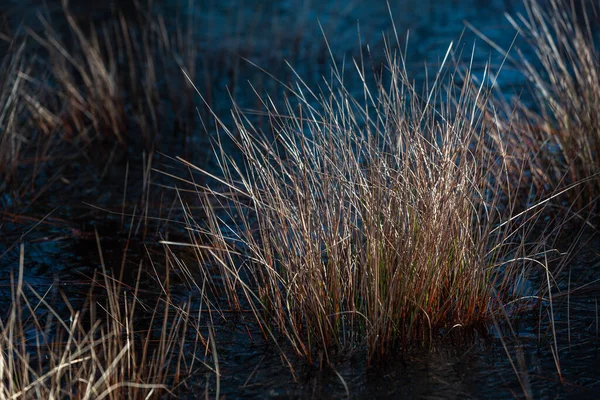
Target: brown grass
(557,139)
(377,221)
(104,81)
(12,109)
(83,356)
(81,92)
(364,221)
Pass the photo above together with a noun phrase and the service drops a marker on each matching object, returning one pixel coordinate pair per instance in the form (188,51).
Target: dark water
(60,241)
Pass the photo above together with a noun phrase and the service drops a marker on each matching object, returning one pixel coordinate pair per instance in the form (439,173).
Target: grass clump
(77,99)
(558,134)
(115,346)
(364,220)
(103,83)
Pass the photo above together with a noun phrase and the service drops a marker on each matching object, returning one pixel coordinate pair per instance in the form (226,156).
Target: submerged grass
(365,220)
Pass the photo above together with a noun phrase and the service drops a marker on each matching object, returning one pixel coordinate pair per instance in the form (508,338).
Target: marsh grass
(100,350)
(104,81)
(13,138)
(557,136)
(375,219)
(73,95)
(364,221)
(75,91)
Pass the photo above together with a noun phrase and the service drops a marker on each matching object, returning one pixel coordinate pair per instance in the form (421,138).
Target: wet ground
(58,227)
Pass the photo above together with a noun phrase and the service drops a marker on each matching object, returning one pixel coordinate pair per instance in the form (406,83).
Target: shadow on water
(61,251)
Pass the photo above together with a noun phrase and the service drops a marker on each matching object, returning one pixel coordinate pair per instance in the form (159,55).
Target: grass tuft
(365,220)
(46,354)
(557,135)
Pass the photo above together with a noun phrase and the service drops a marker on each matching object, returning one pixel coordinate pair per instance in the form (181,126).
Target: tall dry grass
(106,82)
(10,141)
(557,136)
(117,345)
(72,93)
(364,220)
